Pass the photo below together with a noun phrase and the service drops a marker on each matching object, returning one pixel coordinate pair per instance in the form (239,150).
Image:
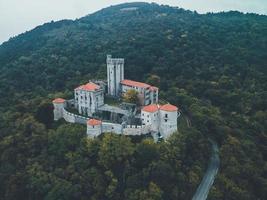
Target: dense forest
(213,66)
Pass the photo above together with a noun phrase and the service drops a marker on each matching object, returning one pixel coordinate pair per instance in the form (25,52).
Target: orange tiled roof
(89,87)
(169,108)
(151,108)
(94,122)
(135,83)
(59,100)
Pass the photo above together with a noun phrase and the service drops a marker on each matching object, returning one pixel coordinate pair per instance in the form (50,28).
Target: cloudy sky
(18,16)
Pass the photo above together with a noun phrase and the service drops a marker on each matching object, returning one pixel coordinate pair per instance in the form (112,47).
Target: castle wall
(167,124)
(69,117)
(136,130)
(72,118)
(111,127)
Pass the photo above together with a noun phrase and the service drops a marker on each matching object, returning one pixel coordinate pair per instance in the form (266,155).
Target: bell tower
(115,74)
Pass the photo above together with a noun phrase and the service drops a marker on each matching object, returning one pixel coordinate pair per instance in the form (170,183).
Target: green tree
(153,80)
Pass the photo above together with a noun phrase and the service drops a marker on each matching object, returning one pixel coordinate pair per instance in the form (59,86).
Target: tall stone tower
(115,74)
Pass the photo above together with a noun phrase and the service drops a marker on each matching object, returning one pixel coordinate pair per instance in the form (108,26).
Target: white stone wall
(111,127)
(154,96)
(72,118)
(136,130)
(125,88)
(151,119)
(151,97)
(69,117)
(147,99)
(94,131)
(88,102)
(168,123)
(60,112)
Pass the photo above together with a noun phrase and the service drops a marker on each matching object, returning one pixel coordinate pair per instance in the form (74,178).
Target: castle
(89,99)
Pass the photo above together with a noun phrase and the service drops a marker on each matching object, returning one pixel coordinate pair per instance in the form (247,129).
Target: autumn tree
(131,96)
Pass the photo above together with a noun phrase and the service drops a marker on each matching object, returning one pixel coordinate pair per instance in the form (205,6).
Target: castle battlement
(115,61)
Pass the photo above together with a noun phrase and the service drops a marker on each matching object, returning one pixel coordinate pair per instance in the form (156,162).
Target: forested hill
(213,66)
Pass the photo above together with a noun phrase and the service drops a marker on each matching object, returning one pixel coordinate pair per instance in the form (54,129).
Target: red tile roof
(58,100)
(94,122)
(134,83)
(169,108)
(89,87)
(151,108)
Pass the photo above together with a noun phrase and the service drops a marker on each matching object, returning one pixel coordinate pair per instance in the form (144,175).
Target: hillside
(213,66)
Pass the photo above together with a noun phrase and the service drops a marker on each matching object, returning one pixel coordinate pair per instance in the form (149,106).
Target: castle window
(166,120)
(166,115)
(147,121)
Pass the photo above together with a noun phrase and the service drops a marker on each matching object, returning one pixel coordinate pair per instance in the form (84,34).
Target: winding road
(208,179)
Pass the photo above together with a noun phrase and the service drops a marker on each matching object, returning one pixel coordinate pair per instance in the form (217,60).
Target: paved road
(208,179)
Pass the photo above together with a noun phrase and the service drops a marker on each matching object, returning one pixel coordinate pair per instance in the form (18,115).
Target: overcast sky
(18,16)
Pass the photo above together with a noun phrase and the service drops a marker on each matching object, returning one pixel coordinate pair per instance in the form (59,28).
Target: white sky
(18,16)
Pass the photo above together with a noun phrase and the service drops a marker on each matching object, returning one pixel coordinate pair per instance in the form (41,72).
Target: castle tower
(168,120)
(59,105)
(94,128)
(150,117)
(115,74)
